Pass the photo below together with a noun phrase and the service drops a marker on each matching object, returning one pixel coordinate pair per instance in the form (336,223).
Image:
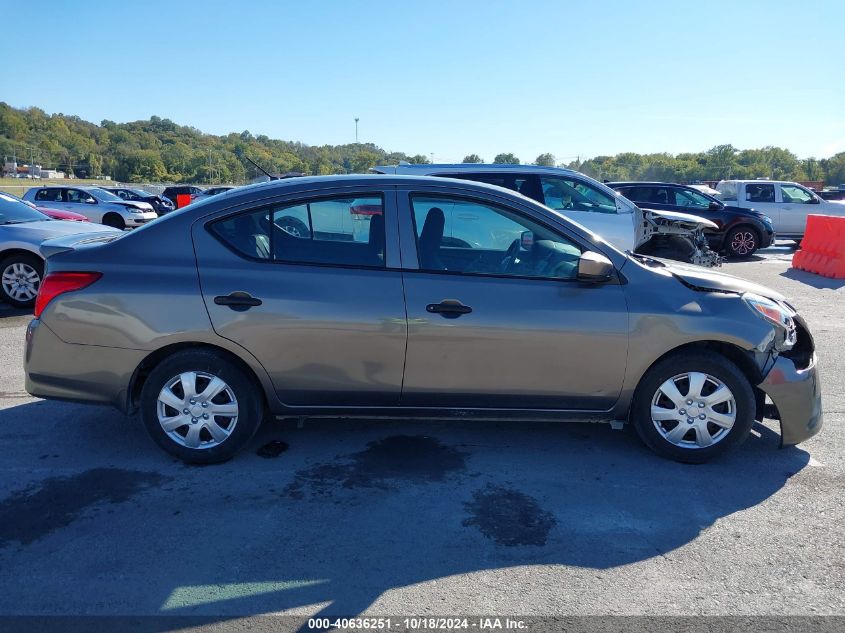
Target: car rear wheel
(692,407)
(200,407)
(20,279)
(742,242)
(114,220)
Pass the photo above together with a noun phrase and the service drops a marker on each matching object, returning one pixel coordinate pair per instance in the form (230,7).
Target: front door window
(471,237)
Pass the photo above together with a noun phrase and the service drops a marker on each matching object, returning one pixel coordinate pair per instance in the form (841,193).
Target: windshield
(13,211)
(103,195)
(140,193)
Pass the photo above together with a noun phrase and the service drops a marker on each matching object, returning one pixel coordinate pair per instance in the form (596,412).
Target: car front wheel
(20,279)
(742,242)
(115,221)
(692,407)
(200,407)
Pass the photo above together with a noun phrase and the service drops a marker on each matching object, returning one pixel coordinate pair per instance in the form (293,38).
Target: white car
(98,205)
(22,230)
(787,203)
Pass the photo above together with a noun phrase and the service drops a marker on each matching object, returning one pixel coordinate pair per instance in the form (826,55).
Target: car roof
(305,183)
(762,181)
(647,183)
(424,169)
(71,186)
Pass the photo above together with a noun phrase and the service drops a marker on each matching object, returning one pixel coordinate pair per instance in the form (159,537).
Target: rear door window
(49,195)
(345,231)
(526,184)
(755,192)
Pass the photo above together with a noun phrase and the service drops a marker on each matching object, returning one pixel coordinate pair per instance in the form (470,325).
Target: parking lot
(395,517)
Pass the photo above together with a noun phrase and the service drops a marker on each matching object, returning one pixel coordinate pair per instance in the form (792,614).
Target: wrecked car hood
(708,279)
(683,218)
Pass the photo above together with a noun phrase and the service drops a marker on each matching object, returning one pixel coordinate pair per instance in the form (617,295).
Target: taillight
(55,284)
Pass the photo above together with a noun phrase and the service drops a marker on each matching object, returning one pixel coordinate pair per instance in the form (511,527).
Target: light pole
(356,130)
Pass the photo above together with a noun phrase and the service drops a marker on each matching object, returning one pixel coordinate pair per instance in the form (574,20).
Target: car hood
(36,232)
(707,279)
(137,204)
(684,218)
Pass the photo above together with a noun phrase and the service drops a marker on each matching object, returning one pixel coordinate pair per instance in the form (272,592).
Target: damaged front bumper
(797,394)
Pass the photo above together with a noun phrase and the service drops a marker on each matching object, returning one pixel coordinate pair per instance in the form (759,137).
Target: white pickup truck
(787,203)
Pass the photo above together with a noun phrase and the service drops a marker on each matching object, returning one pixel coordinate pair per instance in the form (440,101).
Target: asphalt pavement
(422,518)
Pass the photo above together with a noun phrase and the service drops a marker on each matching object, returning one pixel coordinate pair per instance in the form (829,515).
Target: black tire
(32,262)
(114,220)
(249,400)
(742,242)
(716,366)
(293,226)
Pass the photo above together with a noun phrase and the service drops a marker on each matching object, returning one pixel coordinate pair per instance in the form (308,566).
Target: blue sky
(448,78)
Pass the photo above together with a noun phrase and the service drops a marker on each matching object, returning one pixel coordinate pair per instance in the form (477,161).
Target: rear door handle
(238,301)
(448,308)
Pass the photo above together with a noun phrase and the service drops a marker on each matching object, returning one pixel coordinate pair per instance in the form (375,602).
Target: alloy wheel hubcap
(292,229)
(197,410)
(693,410)
(743,242)
(20,281)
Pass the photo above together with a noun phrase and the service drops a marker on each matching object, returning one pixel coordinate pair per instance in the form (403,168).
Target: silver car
(512,311)
(22,229)
(96,204)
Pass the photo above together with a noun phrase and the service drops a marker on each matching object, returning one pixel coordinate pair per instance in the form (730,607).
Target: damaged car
(669,234)
(451,299)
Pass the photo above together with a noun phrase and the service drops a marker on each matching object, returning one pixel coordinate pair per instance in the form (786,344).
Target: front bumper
(797,394)
(140,219)
(767,239)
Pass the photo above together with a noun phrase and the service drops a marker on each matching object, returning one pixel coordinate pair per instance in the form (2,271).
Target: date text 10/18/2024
(418,624)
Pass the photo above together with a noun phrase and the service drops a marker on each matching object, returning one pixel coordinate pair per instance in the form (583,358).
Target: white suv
(98,205)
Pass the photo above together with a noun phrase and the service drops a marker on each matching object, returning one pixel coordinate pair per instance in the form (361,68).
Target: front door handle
(448,308)
(238,301)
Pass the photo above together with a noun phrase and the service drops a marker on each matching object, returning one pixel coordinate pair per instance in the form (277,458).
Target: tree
(363,160)
(505,159)
(472,158)
(545,160)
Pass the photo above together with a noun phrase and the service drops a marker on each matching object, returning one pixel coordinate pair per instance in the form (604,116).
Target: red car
(58,214)
(55,214)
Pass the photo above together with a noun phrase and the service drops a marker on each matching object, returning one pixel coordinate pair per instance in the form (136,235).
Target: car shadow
(350,510)
(8,311)
(812,279)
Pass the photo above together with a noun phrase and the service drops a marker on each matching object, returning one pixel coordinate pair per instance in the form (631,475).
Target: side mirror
(714,206)
(90,201)
(815,200)
(594,267)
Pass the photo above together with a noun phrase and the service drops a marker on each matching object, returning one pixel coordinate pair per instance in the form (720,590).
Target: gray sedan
(409,296)
(22,229)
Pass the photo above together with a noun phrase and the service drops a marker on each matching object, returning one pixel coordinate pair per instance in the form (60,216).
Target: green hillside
(159,150)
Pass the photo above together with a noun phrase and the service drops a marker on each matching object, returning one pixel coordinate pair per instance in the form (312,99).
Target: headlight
(136,210)
(775,313)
